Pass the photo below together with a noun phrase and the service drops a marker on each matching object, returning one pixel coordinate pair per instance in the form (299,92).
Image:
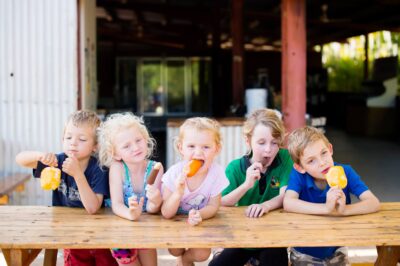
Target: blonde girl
(125,147)
(200,195)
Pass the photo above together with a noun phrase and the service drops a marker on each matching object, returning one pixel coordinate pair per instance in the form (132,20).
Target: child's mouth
(325,171)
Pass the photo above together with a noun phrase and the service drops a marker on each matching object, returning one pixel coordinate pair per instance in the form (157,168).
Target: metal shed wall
(38,81)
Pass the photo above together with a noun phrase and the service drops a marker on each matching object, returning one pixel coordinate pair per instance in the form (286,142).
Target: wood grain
(35,227)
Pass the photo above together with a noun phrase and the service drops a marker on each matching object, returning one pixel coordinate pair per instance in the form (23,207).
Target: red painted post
(294,56)
(237,52)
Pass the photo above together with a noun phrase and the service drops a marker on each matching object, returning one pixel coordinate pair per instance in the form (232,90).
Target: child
(125,147)
(258,180)
(198,196)
(83,184)
(308,192)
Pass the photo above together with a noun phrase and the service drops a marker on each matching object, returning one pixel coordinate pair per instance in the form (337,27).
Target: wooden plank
(37,227)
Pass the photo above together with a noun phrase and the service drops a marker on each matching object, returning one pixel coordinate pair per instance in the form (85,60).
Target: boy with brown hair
(83,183)
(308,192)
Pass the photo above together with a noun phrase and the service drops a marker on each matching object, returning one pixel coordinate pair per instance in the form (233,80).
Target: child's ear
(95,147)
(179,146)
(330,147)
(298,168)
(248,142)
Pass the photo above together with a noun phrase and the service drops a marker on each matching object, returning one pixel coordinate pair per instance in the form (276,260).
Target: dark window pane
(175,77)
(201,84)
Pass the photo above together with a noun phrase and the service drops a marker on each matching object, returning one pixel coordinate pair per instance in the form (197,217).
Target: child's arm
(292,203)
(172,199)
(258,210)
(209,211)
(368,203)
(90,200)
(153,194)
(252,174)
(30,159)
(117,198)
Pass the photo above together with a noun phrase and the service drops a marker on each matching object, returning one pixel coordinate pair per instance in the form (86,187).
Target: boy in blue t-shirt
(83,183)
(308,192)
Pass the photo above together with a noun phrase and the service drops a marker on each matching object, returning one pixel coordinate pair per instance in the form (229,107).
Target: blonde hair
(199,123)
(268,118)
(300,138)
(116,123)
(84,117)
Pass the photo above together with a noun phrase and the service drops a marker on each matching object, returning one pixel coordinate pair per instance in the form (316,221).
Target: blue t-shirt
(67,193)
(304,185)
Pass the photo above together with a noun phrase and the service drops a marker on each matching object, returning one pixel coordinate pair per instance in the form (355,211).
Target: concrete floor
(376,161)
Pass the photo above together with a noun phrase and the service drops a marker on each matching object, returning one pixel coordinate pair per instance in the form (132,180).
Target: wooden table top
(23,227)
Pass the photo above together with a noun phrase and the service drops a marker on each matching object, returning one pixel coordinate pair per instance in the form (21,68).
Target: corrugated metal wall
(38,81)
(233,145)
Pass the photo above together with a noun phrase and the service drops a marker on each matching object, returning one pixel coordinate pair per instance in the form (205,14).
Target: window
(165,86)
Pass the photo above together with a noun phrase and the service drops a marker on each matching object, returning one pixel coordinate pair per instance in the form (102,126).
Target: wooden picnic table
(24,230)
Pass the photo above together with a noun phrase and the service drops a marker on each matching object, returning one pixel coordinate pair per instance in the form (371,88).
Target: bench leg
(20,257)
(50,257)
(388,255)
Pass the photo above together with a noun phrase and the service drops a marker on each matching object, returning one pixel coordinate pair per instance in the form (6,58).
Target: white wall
(38,81)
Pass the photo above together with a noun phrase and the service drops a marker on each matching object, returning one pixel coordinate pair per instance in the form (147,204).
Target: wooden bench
(26,229)
(10,183)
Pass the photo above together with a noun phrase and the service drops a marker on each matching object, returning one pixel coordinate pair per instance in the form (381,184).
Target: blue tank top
(128,190)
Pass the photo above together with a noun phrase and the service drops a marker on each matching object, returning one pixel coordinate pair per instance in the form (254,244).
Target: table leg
(388,255)
(7,256)
(50,257)
(20,257)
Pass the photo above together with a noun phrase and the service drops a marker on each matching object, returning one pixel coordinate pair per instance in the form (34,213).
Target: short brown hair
(300,138)
(268,118)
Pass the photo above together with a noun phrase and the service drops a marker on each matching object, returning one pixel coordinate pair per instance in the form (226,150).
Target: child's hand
(180,184)
(49,159)
(135,207)
(194,217)
(252,174)
(153,195)
(256,210)
(332,196)
(341,202)
(71,166)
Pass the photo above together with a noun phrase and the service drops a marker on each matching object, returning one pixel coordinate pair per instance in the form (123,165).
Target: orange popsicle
(50,178)
(193,166)
(336,177)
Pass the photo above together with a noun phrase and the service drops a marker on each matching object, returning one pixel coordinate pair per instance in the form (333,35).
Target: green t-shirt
(277,176)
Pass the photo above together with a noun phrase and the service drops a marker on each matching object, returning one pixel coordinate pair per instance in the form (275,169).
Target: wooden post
(366,63)
(237,52)
(293,63)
